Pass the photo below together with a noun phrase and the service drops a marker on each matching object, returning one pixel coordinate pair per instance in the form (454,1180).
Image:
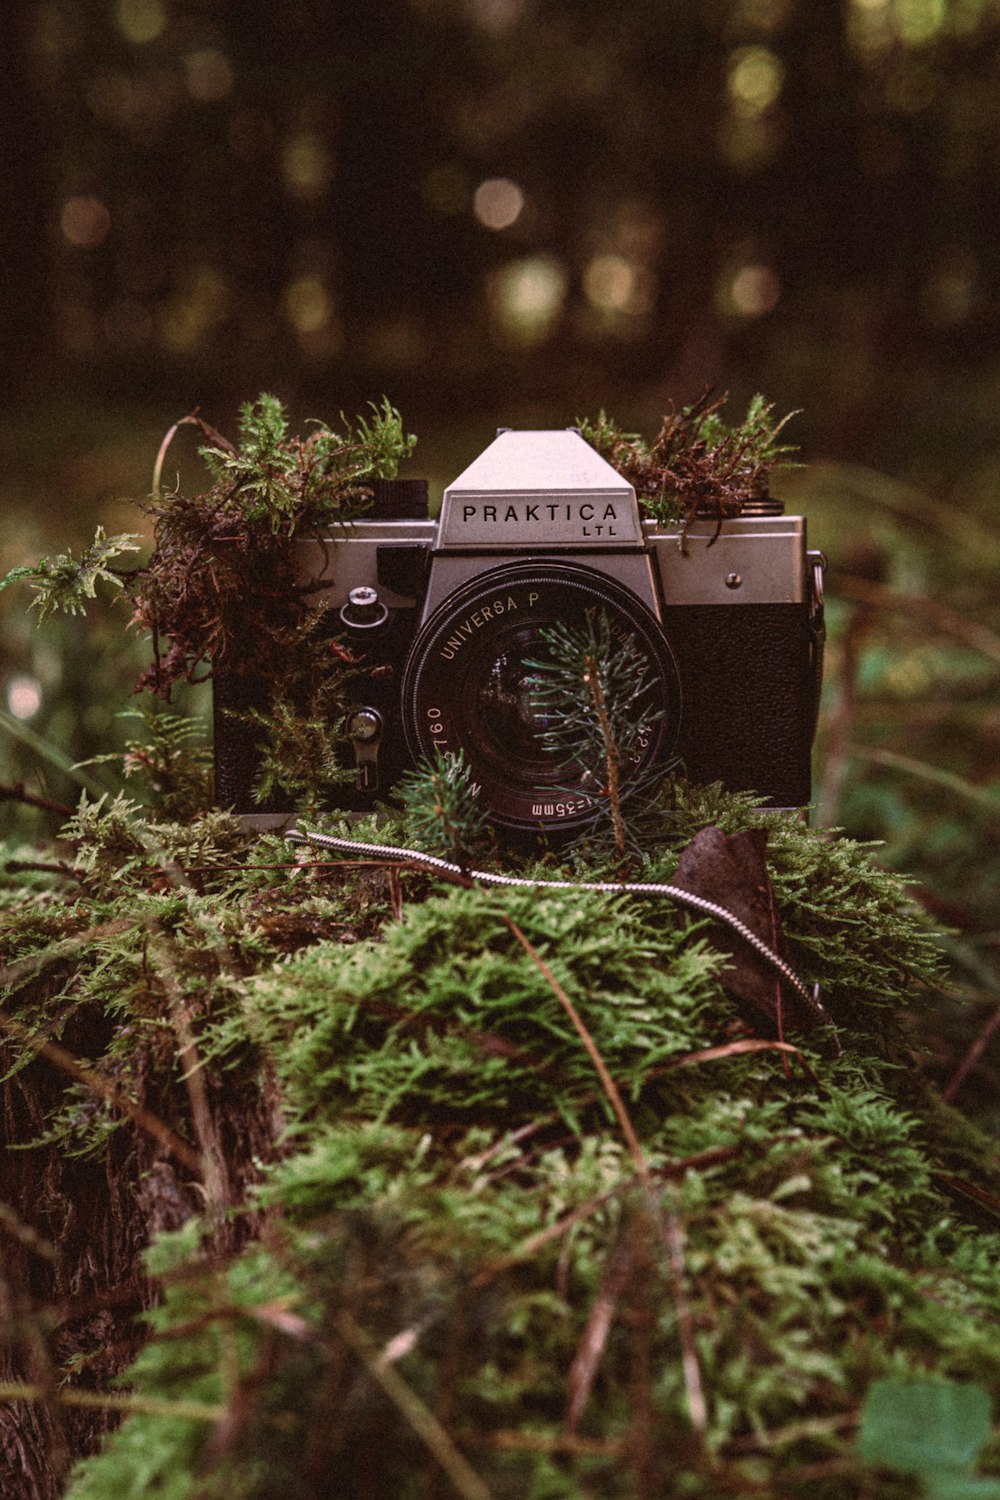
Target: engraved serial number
(435,727)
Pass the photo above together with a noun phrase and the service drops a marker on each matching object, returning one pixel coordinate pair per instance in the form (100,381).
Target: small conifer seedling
(594,690)
(442,807)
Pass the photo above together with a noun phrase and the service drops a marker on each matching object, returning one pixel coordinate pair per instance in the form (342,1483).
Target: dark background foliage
(511,208)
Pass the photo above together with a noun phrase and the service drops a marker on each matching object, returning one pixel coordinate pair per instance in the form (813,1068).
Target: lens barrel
(470,684)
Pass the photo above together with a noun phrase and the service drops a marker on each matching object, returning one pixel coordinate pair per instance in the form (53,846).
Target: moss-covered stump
(403,1240)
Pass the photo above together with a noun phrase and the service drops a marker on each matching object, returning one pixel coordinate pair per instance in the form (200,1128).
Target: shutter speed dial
(364,609)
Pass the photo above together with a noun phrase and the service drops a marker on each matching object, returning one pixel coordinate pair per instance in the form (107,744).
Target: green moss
(451,1191)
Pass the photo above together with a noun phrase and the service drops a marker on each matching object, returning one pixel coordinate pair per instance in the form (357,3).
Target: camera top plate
(539,490)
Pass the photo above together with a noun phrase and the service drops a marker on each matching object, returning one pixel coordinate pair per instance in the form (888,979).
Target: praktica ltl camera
(447,619)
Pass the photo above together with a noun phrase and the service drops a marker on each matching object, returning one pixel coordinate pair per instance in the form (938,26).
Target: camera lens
(475,681)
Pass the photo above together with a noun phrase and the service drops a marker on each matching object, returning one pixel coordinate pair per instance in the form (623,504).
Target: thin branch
(212,1169)
(642,1315)
(587,1359)
(794,1432)
(838,749)
(15,792)
(150,1406)
(607,1082)
(989,1201)
(516,1441)
(970,1059)
(43,867)
(15,1226)
(191,420)
(673,1237)
(941,616)
(423,1421)
(734,1049)
(395,893)
(921,770)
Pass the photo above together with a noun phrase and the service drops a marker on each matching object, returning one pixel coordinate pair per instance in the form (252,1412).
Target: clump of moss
(223,574)
(697,464)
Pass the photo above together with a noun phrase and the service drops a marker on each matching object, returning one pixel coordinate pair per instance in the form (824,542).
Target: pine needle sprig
(443,812)
(594,690)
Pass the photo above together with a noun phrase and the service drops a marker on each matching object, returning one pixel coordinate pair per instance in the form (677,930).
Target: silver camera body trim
(551,494)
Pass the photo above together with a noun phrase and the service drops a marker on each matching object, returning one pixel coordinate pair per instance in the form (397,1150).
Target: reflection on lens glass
(512,718)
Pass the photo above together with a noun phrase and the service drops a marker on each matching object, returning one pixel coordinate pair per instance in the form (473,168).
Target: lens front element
(472,684)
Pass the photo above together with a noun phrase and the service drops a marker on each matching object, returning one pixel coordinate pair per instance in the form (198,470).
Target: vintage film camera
(447,617)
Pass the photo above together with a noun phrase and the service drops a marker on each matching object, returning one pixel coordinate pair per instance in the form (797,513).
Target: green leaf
(929,1427)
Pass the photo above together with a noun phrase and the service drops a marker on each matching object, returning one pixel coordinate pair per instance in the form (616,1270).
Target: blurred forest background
(518,212)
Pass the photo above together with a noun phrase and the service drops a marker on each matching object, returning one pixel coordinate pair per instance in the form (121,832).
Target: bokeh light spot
(496,16)
(308,304)
(949,293)
(527,297)
(749,291)
(498,203)
(761,15)
(307,165)
(24,696)
(208,74)
(193,312)
(616,285)
(919,21)
(141,21)
(85,221)
(756,76)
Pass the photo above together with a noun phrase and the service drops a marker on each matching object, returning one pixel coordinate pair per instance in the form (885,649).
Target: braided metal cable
(700,904)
